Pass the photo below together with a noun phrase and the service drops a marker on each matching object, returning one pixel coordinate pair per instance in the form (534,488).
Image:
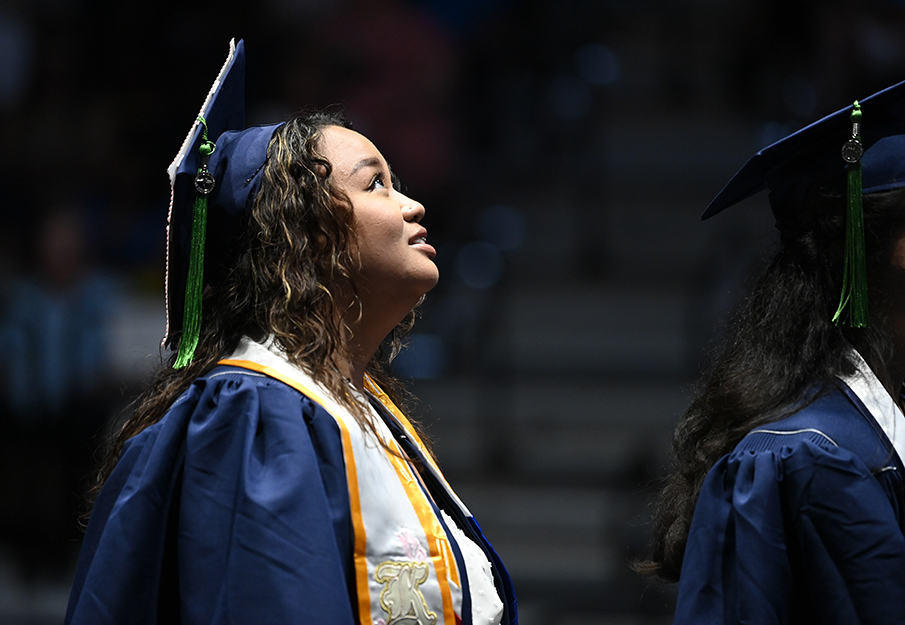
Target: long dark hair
(781,350)
(297,252)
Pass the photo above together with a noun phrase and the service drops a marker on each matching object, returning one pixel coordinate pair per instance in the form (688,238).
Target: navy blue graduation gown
(802,523)
(234,508)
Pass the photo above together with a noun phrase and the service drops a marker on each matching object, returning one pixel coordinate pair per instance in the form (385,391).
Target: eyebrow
(365,162)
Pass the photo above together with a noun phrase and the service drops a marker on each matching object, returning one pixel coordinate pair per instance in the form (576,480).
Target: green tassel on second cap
(194,284)
(853,299)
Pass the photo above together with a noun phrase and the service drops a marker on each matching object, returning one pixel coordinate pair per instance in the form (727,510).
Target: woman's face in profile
(396,260)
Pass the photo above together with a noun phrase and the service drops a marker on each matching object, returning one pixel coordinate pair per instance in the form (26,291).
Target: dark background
(564,150)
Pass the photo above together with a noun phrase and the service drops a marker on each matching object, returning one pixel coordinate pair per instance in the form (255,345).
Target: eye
(377,182)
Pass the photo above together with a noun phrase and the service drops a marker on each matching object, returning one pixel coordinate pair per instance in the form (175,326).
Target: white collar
(882,407)
(270,355)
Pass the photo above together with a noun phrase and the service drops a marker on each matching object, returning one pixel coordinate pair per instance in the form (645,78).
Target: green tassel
(194,284)
(853,299)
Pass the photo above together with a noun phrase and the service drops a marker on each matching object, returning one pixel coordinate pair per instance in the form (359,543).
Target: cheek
(375,247)
(376,229)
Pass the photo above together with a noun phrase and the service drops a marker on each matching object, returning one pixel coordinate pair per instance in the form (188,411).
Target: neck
(366,335)
(369,322)
(354,369)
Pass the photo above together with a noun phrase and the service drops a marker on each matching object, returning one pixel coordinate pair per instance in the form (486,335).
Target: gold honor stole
(405,570)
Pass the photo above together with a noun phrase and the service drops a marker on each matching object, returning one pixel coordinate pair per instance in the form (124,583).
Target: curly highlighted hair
(281,279)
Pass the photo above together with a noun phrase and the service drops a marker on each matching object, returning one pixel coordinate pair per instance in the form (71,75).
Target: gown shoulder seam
(792,432)
(237,372)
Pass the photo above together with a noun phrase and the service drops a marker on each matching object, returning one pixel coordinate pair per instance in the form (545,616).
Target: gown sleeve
(232,509)
(800,534)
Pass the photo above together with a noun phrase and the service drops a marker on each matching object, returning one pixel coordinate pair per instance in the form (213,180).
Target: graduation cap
(214,179)
(858,149)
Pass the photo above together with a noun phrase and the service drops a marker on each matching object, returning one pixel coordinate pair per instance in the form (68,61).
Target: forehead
(346,148)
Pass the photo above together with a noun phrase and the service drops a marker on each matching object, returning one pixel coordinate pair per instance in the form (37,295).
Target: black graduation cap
(810,159)
(214,178)
(856,150)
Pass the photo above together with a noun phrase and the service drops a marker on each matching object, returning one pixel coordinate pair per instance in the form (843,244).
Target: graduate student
(268,475)
(786,502)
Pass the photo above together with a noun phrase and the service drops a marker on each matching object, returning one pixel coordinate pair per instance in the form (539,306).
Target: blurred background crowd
(564,150)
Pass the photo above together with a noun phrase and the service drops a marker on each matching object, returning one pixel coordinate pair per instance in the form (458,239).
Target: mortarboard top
(236,165)
(811,159)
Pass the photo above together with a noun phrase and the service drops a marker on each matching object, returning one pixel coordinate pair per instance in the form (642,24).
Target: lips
(420,237)
(420,241)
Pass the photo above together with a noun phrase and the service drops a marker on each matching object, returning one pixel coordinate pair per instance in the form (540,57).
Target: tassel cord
(852,307)
(194,286)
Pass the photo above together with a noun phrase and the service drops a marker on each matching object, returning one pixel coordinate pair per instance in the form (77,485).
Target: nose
(412,210)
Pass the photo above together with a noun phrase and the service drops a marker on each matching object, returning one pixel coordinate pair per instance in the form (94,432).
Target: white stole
(405,570)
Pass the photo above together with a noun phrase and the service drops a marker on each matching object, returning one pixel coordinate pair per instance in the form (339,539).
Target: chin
(431,280)
(419,289)
(422,290)
(402,289)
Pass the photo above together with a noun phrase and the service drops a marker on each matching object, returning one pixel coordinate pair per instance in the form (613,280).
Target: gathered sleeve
(802,533)
(233,509)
